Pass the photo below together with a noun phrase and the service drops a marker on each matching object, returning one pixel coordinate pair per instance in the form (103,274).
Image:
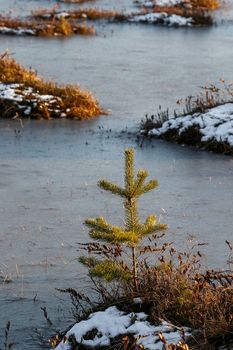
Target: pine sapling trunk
(135,277)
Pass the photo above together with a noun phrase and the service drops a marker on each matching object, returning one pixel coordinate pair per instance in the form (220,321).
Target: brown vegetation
(199,10)
(175,288)
(48,27)
(69,100)
(81,13)
(167,284)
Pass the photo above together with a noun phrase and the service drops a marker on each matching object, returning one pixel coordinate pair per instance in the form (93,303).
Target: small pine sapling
(110,267)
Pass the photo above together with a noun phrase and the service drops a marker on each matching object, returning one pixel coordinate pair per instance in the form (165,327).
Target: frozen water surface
(49,170)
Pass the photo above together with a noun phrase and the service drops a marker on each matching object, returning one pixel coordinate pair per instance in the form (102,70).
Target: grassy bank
(185,13)
(59,26)
(24,94)
(205,122)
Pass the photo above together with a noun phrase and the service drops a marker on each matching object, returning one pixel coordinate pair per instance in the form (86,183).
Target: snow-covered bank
(112,323)
(24,94)
(163,18)
(18,100)
(49,26)
(27,101)
(151,4)
(215,126)
(17,31)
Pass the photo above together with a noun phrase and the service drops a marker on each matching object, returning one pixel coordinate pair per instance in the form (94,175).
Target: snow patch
(17,31)
(162,3)
(215,124)
(25,98)
(62,14)
(112,323)
(163,18)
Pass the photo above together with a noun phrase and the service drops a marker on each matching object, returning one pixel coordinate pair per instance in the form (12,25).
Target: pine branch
(151,226)
(108,186)
(151,185)
(153,229)
(110,270)
(99,224)
(139,182)
(129,171)
(116,236)
(88,261)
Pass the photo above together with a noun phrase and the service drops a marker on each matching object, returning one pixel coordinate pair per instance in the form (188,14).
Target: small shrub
(112,266)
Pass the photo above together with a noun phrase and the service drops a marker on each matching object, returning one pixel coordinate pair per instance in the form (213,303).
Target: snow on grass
(215,124)
(112,323)
(163,18)
(26,99)
(18,31)
(9,92)
(162,3)
(62,14)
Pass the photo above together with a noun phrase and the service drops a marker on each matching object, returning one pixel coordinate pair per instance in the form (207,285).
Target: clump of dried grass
(70,99)
(173,286)
(199,10)
(48,27)
(179,290)
(81,13)
(176,288)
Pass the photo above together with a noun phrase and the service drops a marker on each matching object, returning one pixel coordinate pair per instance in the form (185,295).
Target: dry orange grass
(205,4)
(48,27)
(88,13)
(76,103)
(15,23)
(183,294)
(94,14)
(199,10)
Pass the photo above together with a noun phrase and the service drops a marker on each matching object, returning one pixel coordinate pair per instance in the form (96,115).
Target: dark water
(49,170)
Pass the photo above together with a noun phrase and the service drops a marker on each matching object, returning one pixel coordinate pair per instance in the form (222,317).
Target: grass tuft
(81,13)
(66,100)
(52,26)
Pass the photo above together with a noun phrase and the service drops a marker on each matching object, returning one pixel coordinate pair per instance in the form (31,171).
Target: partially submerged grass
(48,27)
(199,17)
(8,344)
(199,10)
(81,13)
(65,100)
